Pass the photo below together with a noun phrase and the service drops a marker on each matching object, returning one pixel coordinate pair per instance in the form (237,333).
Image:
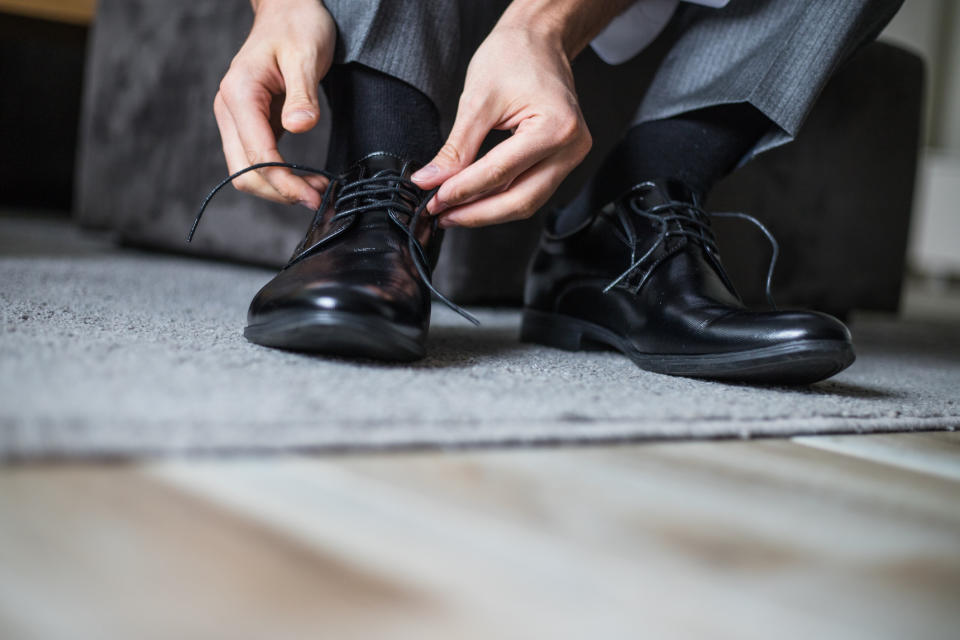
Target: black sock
(697,148)
(373,111)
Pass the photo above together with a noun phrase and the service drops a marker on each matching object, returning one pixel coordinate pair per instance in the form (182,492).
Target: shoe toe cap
(362,296)
(333,298)
(769,328)
(808,325)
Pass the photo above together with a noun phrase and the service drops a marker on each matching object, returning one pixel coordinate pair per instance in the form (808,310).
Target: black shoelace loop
(684,220)
(383,191)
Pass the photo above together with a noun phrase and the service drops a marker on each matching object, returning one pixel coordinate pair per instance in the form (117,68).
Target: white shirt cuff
(630,32)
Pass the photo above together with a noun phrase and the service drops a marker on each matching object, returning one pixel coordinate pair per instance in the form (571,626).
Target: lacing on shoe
(385,190)
(684,220)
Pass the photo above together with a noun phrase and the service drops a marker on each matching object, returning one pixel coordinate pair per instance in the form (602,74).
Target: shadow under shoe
(673,310)
(358,283)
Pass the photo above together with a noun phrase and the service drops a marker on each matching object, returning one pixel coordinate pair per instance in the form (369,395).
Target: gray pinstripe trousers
(774,54)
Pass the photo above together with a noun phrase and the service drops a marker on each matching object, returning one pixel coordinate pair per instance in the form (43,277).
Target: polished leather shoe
(358,284)
(643,275)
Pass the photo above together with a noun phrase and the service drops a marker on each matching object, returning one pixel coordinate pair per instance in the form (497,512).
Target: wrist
(569,25)
(541,20)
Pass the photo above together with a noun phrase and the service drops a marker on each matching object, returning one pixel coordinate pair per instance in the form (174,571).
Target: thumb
(469,131)
(301,107)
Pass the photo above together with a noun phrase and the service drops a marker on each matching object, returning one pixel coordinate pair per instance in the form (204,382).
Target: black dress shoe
(353,286)
(671,307)
(358,285)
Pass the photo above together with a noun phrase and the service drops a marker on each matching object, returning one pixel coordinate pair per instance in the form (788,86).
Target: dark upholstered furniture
(39,118)
(838,199)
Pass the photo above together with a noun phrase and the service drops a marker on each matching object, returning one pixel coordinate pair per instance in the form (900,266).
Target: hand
(519,80)
(272,86)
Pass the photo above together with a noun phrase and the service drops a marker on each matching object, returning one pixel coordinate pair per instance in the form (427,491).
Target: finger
(301,107)
(470,128)
(527,194)
(250,108)
(252,183)
(320,183)
(498,168)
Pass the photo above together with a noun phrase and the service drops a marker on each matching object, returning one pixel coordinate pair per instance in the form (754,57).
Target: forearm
(572,24)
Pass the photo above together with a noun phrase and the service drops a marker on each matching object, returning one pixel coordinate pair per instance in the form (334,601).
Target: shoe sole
(336,333)
(794,363)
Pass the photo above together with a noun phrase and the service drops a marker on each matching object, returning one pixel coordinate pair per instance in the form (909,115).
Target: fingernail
(426,173)
(301,116)
(307,204)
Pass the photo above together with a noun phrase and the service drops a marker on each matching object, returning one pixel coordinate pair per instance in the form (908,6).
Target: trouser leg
(425,44)
(776,55)
(734,82)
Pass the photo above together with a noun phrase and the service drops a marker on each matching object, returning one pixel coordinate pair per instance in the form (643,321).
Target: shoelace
(682,219)
(385,190)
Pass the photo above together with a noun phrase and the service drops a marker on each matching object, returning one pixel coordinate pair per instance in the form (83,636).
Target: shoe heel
(552,330)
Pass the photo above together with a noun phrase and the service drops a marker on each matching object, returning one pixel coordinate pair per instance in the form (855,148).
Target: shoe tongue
(657,192)
(380,161)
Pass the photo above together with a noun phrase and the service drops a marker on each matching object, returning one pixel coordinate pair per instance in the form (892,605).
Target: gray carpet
(111,352)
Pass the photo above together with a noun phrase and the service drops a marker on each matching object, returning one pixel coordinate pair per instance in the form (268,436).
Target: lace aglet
(469,316)
(193,230)
(196,221)
(619,279)
(460,311)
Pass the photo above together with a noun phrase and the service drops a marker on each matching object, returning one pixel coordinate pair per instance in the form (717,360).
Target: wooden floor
(825,537)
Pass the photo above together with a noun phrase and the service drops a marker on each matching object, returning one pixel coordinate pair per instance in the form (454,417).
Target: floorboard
(855,537)
(930,453)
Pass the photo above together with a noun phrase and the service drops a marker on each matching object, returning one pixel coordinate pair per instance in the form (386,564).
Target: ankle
(373,111)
